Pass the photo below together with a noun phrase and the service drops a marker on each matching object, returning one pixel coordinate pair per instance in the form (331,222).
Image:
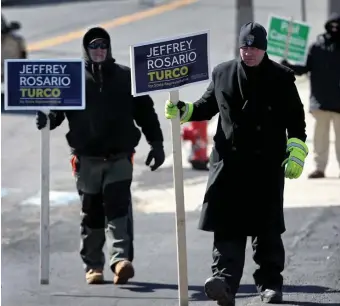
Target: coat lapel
(242,81)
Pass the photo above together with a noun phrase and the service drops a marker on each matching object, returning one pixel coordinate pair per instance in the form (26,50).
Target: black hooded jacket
(107,125)
(323,65)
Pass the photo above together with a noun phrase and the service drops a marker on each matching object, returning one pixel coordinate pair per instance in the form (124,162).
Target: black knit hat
(253,34)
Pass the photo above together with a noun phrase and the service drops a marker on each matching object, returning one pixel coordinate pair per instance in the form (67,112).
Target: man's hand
(41,119)
(185,110)
(295,162)
(157,154)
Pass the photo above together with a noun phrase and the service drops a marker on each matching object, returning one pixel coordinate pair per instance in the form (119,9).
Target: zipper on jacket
(100,79)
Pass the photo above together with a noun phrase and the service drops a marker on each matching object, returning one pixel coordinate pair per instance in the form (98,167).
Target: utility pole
(333,6)
(303,10)
(244,14)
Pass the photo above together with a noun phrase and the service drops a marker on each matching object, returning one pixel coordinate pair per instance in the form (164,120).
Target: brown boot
(123,272)
(95,276)
(316,174)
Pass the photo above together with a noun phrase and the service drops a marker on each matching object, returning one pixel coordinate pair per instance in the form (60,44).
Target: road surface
(312,239)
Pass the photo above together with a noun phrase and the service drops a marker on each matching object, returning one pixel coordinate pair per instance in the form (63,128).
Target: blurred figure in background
(12,45)
(323,65)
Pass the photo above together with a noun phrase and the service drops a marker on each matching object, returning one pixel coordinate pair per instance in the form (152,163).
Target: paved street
(311,275)
(312,208)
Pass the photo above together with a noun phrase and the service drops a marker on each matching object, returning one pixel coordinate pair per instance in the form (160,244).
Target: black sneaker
(217,290)
(270,296)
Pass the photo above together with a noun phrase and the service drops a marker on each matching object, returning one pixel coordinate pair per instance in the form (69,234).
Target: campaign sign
(288,38)
(165,65)
(44,84)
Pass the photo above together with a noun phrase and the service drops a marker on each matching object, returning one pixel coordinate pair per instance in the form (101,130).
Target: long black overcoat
(259,108)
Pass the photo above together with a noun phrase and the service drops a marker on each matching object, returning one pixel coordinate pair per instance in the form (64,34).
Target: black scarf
(252,79)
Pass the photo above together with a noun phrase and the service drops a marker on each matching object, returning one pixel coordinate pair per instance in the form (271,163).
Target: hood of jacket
(330,35)
(91,34)
(334,17)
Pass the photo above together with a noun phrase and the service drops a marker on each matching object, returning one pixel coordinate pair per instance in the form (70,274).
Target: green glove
(295,162)
(185,109)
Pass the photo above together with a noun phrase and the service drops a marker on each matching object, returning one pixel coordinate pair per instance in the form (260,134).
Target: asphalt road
(312,240)
(311,275)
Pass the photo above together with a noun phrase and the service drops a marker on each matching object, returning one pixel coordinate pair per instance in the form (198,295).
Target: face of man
(251,56)
(98,50)
(334,27)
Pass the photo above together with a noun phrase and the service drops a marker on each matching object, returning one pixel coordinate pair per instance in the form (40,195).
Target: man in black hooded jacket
(323,66)
(102,139)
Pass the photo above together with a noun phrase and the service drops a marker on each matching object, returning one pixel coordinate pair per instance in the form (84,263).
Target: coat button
(269,108)
(233,149)
(258,128)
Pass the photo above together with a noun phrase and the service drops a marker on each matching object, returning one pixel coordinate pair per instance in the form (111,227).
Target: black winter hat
(95,33)
(253,34)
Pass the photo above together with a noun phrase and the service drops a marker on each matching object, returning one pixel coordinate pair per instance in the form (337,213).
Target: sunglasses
(98,45)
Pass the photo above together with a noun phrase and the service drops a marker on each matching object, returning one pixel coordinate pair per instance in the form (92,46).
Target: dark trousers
(268,254)
(104,189)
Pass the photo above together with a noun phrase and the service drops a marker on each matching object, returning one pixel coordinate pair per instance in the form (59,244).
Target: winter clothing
(103,138)
(254,35)
(323,66)
(106,126)
(261,129)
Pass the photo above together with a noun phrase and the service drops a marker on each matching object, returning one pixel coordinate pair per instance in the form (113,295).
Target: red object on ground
(197,133)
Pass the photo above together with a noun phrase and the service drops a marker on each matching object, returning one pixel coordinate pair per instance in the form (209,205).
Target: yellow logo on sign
(168,74)
(40,92)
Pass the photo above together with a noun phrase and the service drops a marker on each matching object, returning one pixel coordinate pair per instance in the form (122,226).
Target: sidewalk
(298,193)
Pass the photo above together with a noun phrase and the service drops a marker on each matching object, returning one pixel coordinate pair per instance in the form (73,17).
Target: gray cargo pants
(104,189)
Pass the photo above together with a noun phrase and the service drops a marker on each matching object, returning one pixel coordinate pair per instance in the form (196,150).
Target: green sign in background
(277,39)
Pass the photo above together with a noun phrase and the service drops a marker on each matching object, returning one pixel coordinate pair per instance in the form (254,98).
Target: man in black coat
(102,139)
(323,67)
(260,140)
